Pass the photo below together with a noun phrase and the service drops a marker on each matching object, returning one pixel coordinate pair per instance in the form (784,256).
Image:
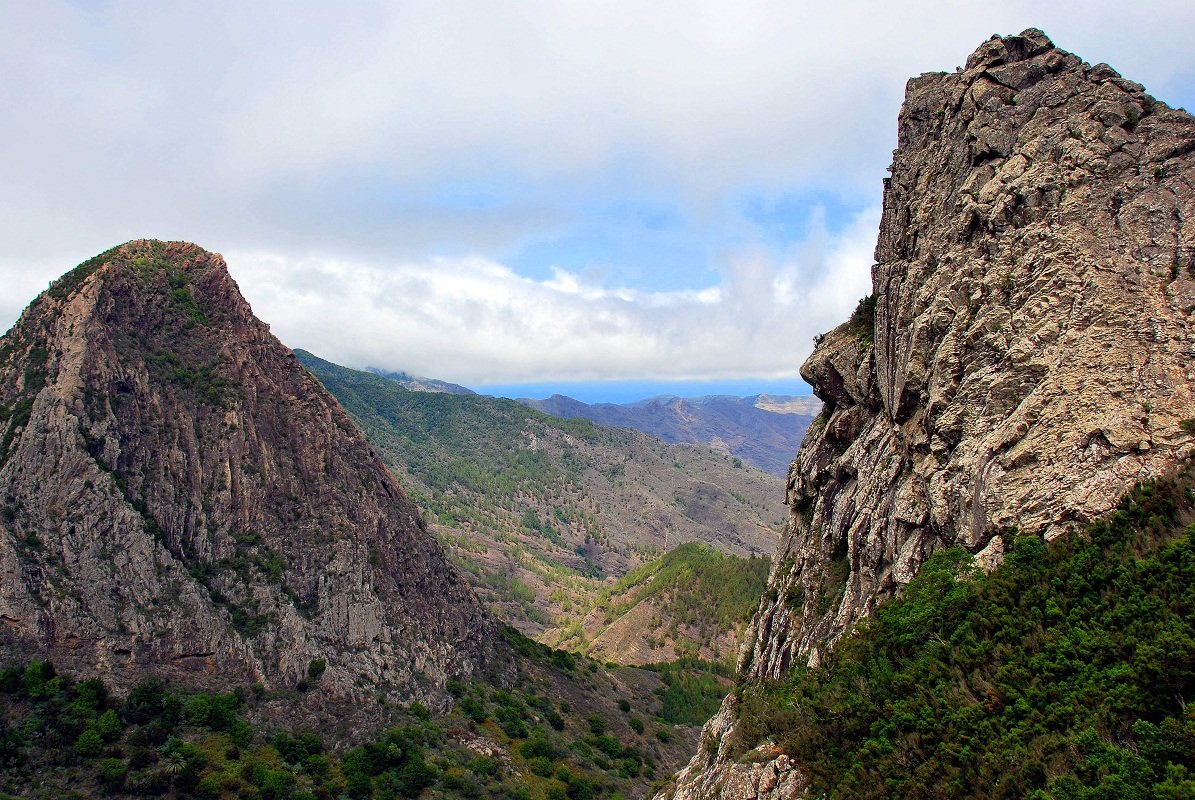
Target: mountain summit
(180,497)
(1026,356)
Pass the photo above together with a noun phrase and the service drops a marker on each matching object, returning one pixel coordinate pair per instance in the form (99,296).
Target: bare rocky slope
(180,497)
(1026,357)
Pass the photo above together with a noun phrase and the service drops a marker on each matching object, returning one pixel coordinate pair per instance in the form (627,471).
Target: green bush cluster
(164,742)
(693,690)
(862,321)
(1065,673)
(702,587)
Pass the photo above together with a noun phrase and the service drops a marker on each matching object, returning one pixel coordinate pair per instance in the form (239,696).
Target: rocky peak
(1026,355)
(181,497)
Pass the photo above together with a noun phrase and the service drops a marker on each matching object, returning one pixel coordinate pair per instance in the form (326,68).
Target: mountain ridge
(416,383)
(762,430)
(541,513)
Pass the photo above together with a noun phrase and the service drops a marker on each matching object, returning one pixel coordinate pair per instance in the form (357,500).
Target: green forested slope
(693,601)
(540,512)
(1066,673)
(568,729)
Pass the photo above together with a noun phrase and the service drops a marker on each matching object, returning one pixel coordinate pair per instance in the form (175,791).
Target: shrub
(37,679)
(146,701)
(484,766)
(108,726)
(112,773)
(538,745)
(472,708)
(415,776)
(89,744)
(862,320)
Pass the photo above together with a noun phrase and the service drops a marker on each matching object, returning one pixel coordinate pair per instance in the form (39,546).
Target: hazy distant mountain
(763,430)
(417,383)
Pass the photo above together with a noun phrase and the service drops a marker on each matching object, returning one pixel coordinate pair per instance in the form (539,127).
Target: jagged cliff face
(180,497)
(1030,355)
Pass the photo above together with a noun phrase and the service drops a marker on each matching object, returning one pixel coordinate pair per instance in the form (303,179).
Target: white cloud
(286,125)
(340,138)
(475,321)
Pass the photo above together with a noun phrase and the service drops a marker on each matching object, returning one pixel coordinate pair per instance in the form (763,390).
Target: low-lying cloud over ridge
(475,321)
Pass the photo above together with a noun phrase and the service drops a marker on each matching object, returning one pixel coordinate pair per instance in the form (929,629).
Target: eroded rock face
(1030,355)
(180,497)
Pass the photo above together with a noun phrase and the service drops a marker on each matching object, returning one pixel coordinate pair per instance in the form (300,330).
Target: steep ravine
(1028,357)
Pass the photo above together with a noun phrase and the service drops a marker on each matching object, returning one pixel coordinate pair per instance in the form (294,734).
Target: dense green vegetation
(461,448)
(697,594)
(693,689)
(1066,673)
(703,586)
(544,741)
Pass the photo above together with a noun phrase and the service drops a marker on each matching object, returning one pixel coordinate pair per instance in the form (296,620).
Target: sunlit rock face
(1029,355)
(180,497)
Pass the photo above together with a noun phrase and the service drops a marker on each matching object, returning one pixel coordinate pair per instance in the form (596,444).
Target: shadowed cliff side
(181,497)
(1026,356)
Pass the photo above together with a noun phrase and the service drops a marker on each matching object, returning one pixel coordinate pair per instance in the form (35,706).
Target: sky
(606,199)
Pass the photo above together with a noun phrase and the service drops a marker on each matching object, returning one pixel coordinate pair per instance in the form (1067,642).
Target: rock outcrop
(180,497)
(1027,356)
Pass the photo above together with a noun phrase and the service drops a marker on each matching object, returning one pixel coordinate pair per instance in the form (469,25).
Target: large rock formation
(1027,356)
(179,496)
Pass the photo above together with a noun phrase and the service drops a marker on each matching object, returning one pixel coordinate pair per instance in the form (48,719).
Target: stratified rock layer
(180,497)
(1030,355)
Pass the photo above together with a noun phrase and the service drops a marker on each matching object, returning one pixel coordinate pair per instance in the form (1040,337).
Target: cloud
(453,152)
(475,321)
(303,126)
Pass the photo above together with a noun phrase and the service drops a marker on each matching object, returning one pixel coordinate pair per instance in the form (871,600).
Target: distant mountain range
(763,430)
(541,514)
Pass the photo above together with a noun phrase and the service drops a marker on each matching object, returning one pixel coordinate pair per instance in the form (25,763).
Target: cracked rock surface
(1030,355)
(180,497)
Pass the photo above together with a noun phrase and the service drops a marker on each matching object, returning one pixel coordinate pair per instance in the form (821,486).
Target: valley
(233,569)
(543,515)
